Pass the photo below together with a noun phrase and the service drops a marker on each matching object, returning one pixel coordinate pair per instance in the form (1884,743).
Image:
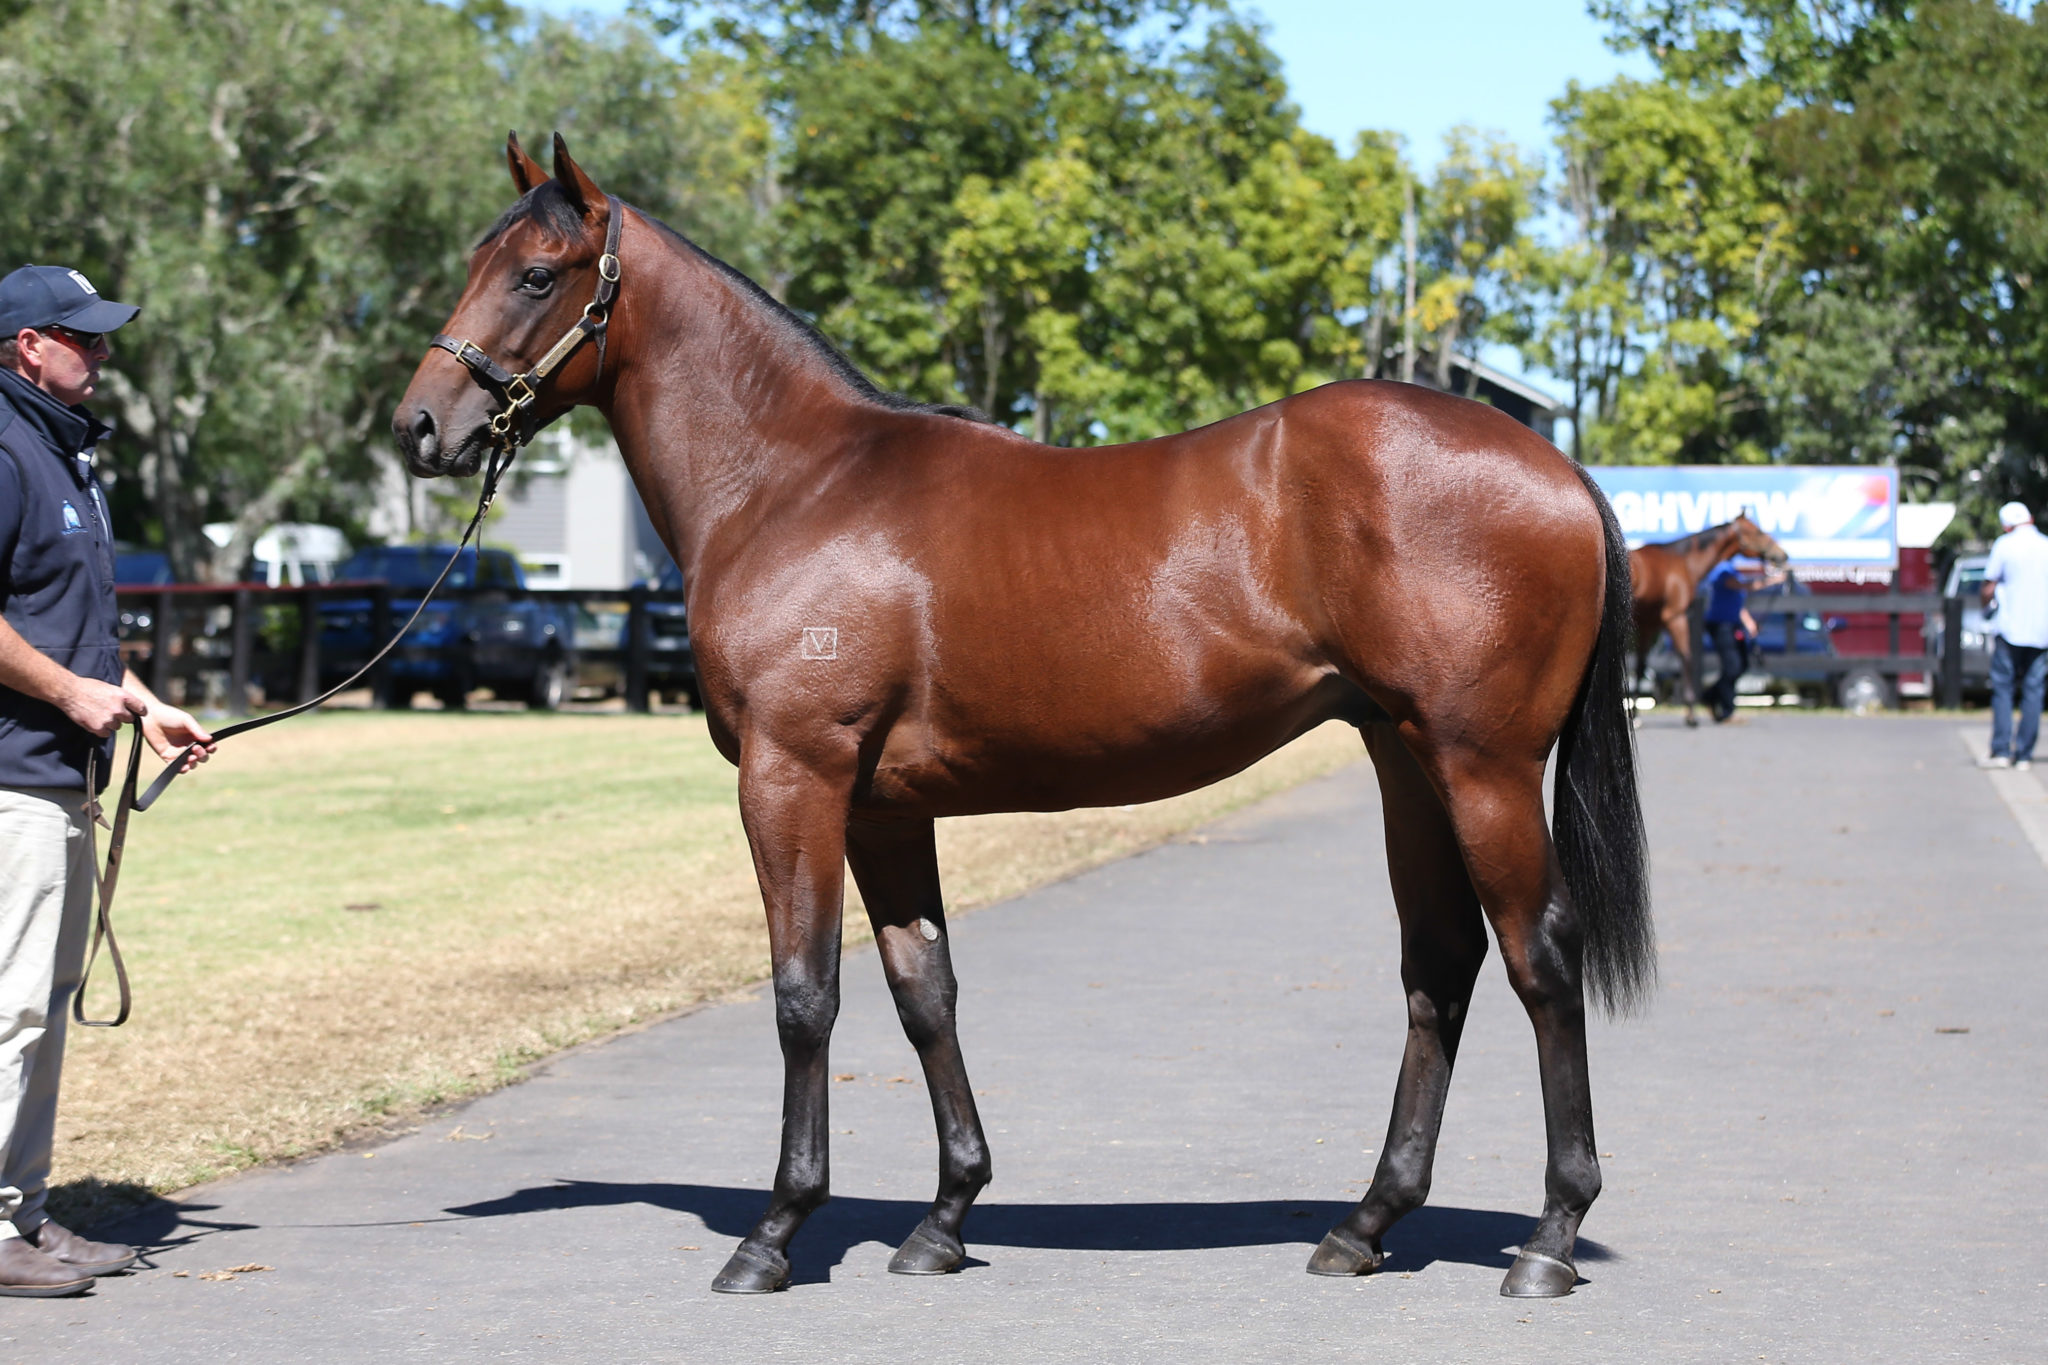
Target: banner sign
(1821,515)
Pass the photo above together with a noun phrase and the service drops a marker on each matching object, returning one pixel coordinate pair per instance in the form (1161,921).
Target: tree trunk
(1408,280)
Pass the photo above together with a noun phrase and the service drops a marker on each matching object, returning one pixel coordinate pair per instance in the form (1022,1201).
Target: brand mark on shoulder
(821,642)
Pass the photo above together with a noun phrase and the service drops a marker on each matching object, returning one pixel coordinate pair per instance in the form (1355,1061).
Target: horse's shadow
(1481,1237)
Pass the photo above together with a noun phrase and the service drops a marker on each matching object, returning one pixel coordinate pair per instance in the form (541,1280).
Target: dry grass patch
(348,918)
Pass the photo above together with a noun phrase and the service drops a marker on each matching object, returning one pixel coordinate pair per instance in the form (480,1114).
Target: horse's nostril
(423,426)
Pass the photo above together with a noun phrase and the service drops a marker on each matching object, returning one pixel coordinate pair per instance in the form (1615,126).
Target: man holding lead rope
(64,694)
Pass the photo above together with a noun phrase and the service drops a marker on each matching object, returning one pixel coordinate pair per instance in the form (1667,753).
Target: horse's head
(532,278)
(1751,540)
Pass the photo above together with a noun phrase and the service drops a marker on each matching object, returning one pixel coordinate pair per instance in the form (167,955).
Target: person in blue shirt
(63,696)
(1731,629)
(2016,598)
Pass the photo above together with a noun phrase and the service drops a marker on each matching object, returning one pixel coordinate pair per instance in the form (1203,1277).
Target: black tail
(1598,819)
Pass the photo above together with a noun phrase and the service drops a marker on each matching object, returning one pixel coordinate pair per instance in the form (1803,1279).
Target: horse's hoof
(752,1270)
(1536,1276)
(1692,722)
(928,1251)
(1343,1254)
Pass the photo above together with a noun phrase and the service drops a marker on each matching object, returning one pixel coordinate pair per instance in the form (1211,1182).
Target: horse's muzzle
(428,455)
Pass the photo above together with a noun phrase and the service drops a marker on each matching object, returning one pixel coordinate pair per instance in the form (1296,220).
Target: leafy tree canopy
(288,189)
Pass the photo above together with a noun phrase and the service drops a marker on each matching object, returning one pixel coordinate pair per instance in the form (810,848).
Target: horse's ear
(526,172)
(581,189)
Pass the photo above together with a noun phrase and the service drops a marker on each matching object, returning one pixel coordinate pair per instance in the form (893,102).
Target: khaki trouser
(46,877)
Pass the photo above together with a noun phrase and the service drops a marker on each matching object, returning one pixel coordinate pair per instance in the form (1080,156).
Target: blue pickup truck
(482,630)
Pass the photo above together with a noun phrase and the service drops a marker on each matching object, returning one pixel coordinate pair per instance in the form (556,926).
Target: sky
(1417,68)
(1422,69)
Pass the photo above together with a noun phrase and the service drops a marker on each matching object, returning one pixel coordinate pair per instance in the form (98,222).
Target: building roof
(1520,388)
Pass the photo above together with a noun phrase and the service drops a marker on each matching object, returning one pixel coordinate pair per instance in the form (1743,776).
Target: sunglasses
(84,341)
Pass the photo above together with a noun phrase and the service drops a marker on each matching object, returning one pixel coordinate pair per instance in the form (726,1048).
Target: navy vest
(56,580)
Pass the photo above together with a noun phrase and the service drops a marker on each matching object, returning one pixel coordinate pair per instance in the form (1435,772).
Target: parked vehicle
(482,631)
(143,569)
(1966,580)
(671,662)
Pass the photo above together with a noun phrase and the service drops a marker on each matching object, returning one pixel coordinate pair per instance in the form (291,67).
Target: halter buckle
(608,268)
(518,394)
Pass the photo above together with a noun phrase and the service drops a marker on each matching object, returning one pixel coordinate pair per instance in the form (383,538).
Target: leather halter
(510,429)
(520,393)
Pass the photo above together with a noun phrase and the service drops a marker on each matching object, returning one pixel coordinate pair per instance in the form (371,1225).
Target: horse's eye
(537,280)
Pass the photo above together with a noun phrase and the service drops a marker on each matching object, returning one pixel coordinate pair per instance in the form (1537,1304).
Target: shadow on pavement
(1479,1237)
(161,1225)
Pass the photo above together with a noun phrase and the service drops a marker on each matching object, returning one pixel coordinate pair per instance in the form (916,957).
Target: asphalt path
(1824,1142)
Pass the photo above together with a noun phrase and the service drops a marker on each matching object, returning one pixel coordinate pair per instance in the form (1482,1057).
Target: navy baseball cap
(40,296)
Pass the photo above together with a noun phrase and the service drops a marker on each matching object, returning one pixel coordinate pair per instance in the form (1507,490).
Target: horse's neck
(1704,556)
(721,406)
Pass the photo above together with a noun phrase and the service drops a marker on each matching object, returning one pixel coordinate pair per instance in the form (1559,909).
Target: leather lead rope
(511,428)
(105,880)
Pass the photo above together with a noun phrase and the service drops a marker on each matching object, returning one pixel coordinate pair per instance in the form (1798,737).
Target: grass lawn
(345,919)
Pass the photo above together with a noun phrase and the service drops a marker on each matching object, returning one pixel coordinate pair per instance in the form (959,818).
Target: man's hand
(99,707)
(170,730)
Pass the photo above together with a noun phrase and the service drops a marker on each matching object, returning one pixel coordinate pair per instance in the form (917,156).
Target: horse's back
(1046,627)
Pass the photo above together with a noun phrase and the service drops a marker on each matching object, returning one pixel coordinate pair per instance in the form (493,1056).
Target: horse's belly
(1061,757)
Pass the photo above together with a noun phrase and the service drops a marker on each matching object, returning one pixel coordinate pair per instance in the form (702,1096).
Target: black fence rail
(213,643)
(1946,667)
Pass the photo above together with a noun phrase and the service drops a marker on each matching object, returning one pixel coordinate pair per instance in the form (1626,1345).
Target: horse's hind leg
(897,868)
(1496,805)
(1443,941)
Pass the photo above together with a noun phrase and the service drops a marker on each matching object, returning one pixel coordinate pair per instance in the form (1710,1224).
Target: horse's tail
(1598,821)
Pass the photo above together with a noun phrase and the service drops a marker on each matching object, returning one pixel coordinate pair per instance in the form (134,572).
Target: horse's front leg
(896,865)
(1680,626)
(796,824)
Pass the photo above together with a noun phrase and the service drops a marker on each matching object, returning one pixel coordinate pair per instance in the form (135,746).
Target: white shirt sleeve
(1994,567)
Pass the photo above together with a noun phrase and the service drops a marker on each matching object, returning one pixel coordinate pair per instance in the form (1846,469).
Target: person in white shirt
(2016,597)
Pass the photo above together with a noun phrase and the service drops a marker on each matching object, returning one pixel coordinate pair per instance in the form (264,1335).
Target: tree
(1029,207)
(1475,244)
(1685,246)
(1902,143)
(291,207)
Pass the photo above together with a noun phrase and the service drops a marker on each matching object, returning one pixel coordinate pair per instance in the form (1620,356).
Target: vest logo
(83,283)
(72,525)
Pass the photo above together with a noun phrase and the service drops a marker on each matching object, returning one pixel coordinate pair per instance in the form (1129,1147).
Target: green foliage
(288,190)
(1683,245)
(1475,248)
(1027,207)
(1816,236)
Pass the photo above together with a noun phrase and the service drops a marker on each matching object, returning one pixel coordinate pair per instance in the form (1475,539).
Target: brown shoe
(31,1274)
(94,1258)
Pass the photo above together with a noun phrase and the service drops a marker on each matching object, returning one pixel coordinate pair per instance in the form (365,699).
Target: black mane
(1698,538)
(549,207)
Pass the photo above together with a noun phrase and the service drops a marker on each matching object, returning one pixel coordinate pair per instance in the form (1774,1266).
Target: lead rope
(104,880)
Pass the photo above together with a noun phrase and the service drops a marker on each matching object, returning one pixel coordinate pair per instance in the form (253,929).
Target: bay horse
(1667,577)
(904,611)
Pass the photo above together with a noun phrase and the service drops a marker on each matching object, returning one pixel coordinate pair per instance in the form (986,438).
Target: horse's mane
(547,206)
(1697,538)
